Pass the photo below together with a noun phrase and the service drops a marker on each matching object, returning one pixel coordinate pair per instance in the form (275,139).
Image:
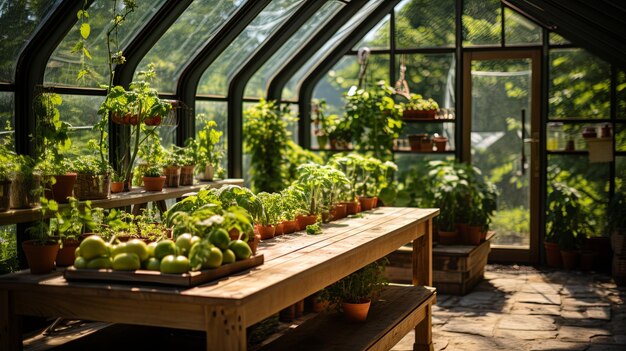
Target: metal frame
(192,72)
(306,90)
(238,83)
(278,81)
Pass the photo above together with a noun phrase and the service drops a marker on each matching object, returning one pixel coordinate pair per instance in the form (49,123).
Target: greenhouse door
(501,104)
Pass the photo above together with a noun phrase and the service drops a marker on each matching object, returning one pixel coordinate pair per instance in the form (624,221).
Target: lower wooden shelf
(398,310)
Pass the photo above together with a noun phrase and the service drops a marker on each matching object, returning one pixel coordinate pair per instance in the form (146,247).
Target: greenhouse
(313,174)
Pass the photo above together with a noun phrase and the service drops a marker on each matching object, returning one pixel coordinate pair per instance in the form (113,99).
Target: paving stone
(615,339)
(483,325)
(541,288)
(580,334)
(534,308)
(603,313)
(555,345)
(521,322)
(479,343)
(575,303)
(548,299)
(597,347)
(525,335)
(578,290)
(507,284)
(482,300)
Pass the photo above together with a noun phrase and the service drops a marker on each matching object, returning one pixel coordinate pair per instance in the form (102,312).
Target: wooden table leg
(225,328)
(423,275)
(161,206)
(10,338)
(137,208)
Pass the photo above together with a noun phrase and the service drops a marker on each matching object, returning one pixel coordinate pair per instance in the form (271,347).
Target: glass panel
(214,111)
(64,65)
(82,113)
(197,25)
(556,39)
(620,137)
(520,30)
(430,75)
(481,22)
(378,37)
(500,90)
(258,83)
(590,179)
(18,21)
(216,78)
(8,249)
(579,85)
(620,171)
(621,95)
(291,88)
(7,115)
(425,23)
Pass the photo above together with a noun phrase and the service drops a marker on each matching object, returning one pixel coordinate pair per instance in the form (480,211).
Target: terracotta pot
(338,212)
(358,207)
(303,221)
(462,228)
(279,229)
(586,260)
(253,242)
(5,195)
(207,173)
(117,187)
(92,187)
(356,312)
(415,141)
(367,203)
(153,183)
(553,254)
(448,238)
(440,143)
(40,257)
(351,208)
(473,235)
(66,254)
(172,176)
(570,259)
(24,190)
(290,226)
(266,231)
(62,189)
(186,175)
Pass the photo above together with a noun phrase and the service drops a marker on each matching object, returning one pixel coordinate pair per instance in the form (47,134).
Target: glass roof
(63,66)
(257,85)
(291,88)
(18,21)
(378,37)
(197,25)
(216,78)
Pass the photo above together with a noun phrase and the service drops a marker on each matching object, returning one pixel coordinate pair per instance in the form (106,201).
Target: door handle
(530,140)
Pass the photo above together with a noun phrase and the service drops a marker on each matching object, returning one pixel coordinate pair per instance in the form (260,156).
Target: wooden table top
(136,196)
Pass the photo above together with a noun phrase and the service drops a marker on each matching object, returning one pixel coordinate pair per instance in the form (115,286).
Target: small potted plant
(41,250)
(368,171)
(68,224)
(324,125)
(93,179)
(348,165)
(153,178)
(117,182)
(268,224)
(189,160)
(440,142)
(354,293)
(312,180)
(26,184)
(172,169)
(418,107)
(209,150)
(294,204)
(339,185)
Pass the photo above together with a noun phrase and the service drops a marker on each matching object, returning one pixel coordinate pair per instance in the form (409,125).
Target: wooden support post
(161,206)
(422,275)
(423,332)
(10,338)
(225,328)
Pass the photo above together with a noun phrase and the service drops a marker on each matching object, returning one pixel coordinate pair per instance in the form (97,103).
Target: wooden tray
(144,276)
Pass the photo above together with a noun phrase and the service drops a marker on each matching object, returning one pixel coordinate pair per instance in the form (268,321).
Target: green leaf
(86,52)
(85,30)
(79,14)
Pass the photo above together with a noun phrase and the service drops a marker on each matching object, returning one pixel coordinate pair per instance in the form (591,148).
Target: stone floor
(523,308)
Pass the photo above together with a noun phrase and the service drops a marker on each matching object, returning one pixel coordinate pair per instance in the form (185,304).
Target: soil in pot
(356,312)
(553,254)
(62,189)
(351,208)
(303,221)
(66,254)
(24,190)
(570,259)
(290,226)
(172,176)
(5,195)
(40,257)
(473,235)
(266,231)
(153,183)
(117,187)
(186,175)
(367,203)
(448,238)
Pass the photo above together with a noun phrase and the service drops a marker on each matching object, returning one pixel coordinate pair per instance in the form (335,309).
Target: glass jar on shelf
(555,140)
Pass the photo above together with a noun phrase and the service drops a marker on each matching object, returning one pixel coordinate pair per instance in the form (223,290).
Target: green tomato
(77,252)
(215,258)
(93,246)
(152,264)
(139,248)
(220,238)
(165,248)
(151,247)
(185,241)
(241,249)
(80,262)
(174,264)
(229,256)
(127,261)
(99,263)
(118,249)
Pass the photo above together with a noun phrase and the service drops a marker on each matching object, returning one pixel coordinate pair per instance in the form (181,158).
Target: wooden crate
(456,268)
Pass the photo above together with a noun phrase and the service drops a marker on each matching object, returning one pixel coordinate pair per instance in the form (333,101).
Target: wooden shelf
(408,151)
(564,152)
(136,196)
(429,120)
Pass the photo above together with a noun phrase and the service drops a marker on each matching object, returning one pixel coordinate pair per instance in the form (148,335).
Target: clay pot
(207,173)
(570,259)
(448,238)
(117,187)
(279,229)
(186,175)
(172,176)
(303,221)
(338,212)
(290,226)
(351,207)
(473,235)
(5,195)
(440,143)
(266,231)
(253,242)
(415,141)
(153,183)
(40,257)
(553,254)
(66,254)
(92,187)
(23,188)
(367,203)
(462,228)
(62,189)
(356,312)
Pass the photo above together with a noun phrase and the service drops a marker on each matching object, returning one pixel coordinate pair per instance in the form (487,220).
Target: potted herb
(189,160)
(26,184)
(331,195)
(312,179)
(117,182)
(446,199)
(324,125)
(173,162)
(208,150)
(418,107)
(368,169)
(293,204)
(41,250)
(68,224)
(347,165)
(93,178)
(354,293)
(153,178)
(273,209)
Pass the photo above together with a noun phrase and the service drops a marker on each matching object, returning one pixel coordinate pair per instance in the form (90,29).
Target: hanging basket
(600,149)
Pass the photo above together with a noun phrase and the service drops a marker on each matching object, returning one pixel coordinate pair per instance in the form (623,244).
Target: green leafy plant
(234,195)
(313,179)
(52,135)
(294,202)
(72,221)
(617,212)
(153,171)
(313,229)
(324,124)
(88,164)
(417,102)
(359,286)
(567,222)
(273,205)
(209,151)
